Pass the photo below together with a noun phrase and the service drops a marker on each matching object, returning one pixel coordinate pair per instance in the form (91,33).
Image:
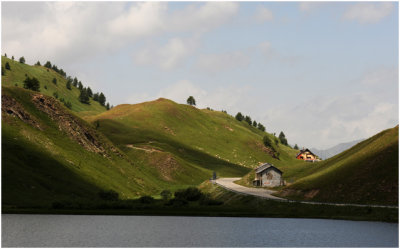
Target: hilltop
(20,71)
(366,173)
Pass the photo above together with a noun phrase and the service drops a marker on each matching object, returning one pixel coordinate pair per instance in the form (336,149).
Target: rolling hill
(366,173)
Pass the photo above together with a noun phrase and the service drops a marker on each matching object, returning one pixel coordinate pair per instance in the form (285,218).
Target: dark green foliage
(68,105)
(254,123)
(45,87)
(191,101)
(109,195)
(267,142)
(102,99)
(54,81)
(189,194)
(89,92)
(214,176)
(62,100)
(146,199)
(5,55)
(224,111)
(55,95)
(22,60)
(83,96)
(96,97)
(296,147)
(47,64)
(68,85)
(248,120)
(37,63)
(75,82)
(12,57)
(108,106)
(32,84)
(166,195)
(261,127)
(8,66)
(283,139)
(239,116)
(80,86)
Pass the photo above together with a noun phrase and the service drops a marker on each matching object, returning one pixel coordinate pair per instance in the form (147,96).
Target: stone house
(267,175)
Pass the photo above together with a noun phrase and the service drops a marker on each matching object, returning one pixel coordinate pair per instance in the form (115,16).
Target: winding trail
(228,184)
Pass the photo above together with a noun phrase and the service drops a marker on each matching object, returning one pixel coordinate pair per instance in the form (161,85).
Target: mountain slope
(325,154)
(50,154)
(365,173)
(19,71)
(208,139)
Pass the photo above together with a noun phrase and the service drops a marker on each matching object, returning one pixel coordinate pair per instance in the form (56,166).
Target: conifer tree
(38,63)
(12,57)
(68,85)
(96,97)
(80,86)
(5,55)
(8,66)
(239,116)
(48,64)
(102,99)
(296,147)
(282,138)
(22,60)
(248,120)
(108,106)
(32,84)
(191,101)
(54,81)
(89,92)
(254,123)
(75,82)
(83,97)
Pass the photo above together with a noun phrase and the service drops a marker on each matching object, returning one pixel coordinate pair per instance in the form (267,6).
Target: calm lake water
(164,231)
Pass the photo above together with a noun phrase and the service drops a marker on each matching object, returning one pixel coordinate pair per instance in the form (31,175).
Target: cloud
(272,55)
(263,14)
(330,120)
(168,56)
(213,63)
(309,6)
(73,31)
(368,12)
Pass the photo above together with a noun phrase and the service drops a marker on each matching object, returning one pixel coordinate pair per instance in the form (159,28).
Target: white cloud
(72,31)
(309,6)
(168,56)
(213,63)
(263,14)
(369,12)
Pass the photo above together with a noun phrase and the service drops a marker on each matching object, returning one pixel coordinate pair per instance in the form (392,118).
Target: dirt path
(228,183)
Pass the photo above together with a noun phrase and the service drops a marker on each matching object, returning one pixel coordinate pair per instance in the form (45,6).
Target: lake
(169,231)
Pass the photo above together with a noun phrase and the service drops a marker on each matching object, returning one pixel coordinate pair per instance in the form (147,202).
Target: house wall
(271,178)
(305,155)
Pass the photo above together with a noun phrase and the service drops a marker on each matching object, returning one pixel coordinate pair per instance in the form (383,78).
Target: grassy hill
(19,71)
(365,173)
(211,140)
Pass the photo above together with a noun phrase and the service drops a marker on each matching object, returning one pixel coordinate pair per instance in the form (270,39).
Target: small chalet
(267,175)
(307,155)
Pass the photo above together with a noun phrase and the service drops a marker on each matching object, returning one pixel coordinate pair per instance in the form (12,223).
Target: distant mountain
(328,153)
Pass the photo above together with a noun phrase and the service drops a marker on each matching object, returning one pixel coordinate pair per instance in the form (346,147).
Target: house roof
(266,166)
(303,151)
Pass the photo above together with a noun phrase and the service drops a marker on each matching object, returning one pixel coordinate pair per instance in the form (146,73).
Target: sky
(322,72)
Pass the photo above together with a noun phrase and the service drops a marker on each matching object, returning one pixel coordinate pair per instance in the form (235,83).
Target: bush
(108,195)
(146,199)
(166,195)
(177,202)
(22,60)
(55,95)
(32,84)
(68,104)
(189,194)
(267,141)
(54,81)
(8,66)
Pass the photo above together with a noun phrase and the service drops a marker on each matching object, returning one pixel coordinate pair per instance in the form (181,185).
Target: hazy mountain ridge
(328,153)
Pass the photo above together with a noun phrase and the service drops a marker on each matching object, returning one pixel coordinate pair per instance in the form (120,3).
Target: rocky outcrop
(9,106)
(70,124)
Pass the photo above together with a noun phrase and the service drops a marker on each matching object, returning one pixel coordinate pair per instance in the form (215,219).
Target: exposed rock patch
(68,123)
(165,164)
(9,106)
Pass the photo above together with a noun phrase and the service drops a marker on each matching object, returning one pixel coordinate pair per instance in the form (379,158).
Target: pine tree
(267,142)
(239,116)
(12,57)
(38,63)
(108,106)
(254,123)
(75,82)
(96,97)
(22,60)
(282,138)
(54,81)
(5,55)
(68,85)
(32,84)
(191,101)
(102,99)
(8,66)
(261,127)
(48,64)
(248,120)
(83,97)
(80,86)
(296,147)
(89,92)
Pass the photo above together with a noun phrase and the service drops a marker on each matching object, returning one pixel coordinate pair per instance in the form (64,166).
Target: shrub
(146,199)
(68,104)
(55,94)
(22,60)
(189,194)
(108,195)
(7,66)
(166,195)
(32,84)
(267,141)
(54,81)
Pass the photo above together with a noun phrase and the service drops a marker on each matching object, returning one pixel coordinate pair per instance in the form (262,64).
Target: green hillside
(365,173)
(203,138)
(19,71)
